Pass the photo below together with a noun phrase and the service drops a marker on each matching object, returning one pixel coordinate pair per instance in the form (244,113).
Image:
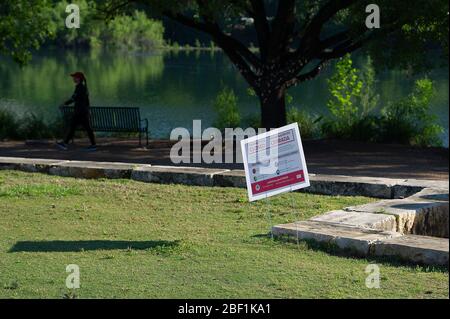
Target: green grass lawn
(133,239)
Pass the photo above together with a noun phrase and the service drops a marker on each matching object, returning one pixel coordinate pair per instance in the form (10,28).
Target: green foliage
(227,111)
(24,25)
(8,125)
(34,127)
(354,98)
(345,88)
(136,31)
(86,35)
(409,120)
(252,120)
(418,28)
(306,122)
(27,126)
(368,98)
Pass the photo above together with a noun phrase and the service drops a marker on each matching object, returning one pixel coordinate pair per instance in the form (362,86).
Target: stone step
(359,219)
(90,169)
(416,249)
(233,178)
(356,239)
(352,185)
(320,184)
(431,195)
(366,242)
(176,175)
(344,185)
(39,165)
(414,215)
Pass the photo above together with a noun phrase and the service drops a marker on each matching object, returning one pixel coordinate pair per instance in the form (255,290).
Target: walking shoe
(62,146)
(91,148)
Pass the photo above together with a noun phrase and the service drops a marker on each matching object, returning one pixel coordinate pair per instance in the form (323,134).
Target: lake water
(171,89)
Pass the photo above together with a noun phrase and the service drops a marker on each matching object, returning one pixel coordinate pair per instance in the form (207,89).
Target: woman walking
(81,115)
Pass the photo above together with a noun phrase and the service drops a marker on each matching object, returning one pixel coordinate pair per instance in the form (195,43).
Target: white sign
(274,162)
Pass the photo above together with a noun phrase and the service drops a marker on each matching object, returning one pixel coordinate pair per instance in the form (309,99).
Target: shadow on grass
(334,250)
(85,245)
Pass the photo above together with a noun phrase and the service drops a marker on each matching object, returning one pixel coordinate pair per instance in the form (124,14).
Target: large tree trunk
(273,109)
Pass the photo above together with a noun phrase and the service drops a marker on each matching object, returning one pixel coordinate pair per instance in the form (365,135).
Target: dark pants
(80,119)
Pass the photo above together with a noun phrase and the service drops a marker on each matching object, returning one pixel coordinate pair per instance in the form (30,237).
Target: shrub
(28,126)
(8,125)
(409,121)
(306,122)
(135,31)
(368,98)
(227,111)
(33,127)
(123,31)
(345,88)
(353,100)
(252,120)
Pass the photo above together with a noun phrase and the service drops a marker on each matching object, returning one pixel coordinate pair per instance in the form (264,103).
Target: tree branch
(334,40)
(111,10)
(325,14)
(311,37)
(351,45)
(282,24)
(308,75)
(214,30)
(238,53)
(258,13)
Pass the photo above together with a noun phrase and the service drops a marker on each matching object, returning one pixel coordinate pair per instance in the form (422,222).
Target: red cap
(78,75)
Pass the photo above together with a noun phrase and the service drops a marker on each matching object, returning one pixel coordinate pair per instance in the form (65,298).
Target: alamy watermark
(73,19)
(373,276)
(218,149)
(372,20)
(222,146)
(73,279)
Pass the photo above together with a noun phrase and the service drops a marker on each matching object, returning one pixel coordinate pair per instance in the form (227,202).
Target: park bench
(112,119)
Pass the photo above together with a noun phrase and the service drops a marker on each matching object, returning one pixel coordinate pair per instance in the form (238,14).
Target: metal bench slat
(111,119)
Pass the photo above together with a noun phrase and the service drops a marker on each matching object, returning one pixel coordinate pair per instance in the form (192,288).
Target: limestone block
(355,239)
(417,249)
(359,219)
(176,175)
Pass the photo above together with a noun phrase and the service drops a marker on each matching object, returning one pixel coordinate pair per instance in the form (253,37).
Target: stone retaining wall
(320,184)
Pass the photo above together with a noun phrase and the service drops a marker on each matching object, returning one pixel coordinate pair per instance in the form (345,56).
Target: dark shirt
(81,99)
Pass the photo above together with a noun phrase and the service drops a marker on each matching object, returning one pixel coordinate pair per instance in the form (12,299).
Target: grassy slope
(161,241)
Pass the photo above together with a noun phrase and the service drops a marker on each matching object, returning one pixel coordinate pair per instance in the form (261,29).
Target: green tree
(24,25)
(345,88)
(296,39)
(409,120)
(353,98)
